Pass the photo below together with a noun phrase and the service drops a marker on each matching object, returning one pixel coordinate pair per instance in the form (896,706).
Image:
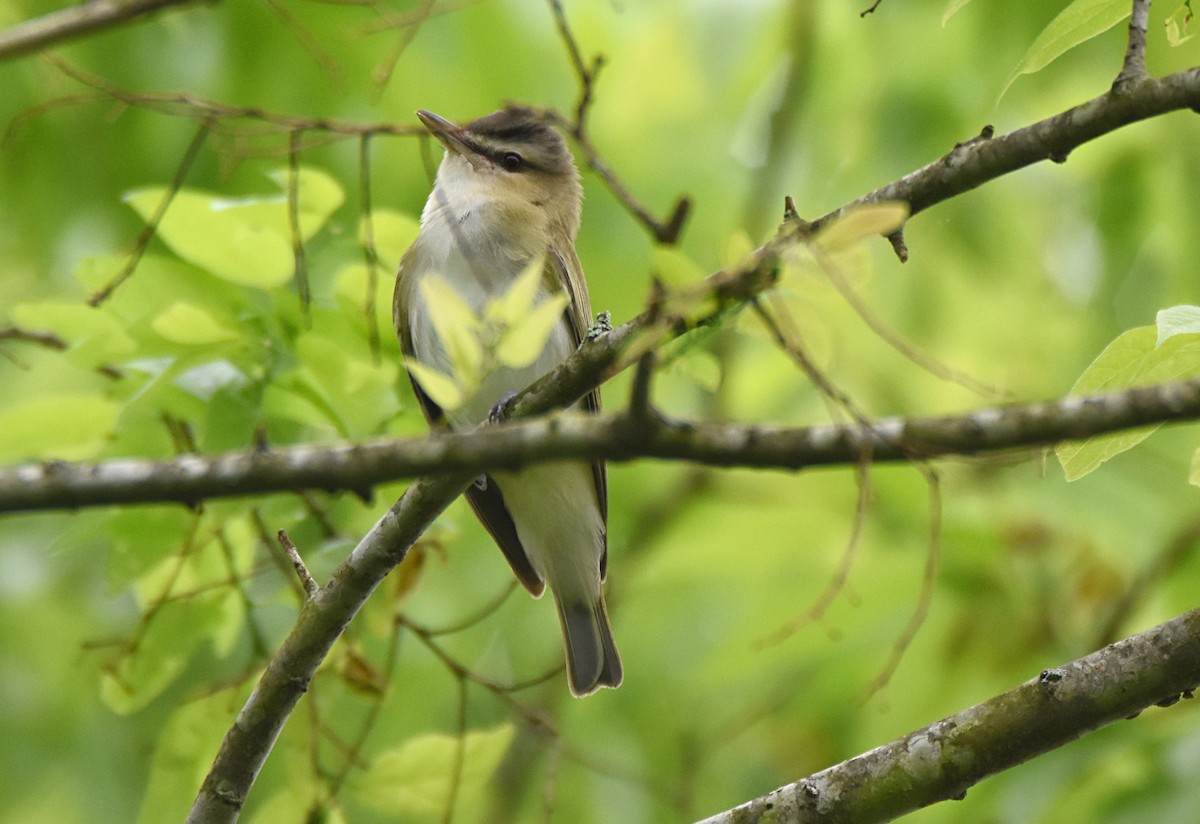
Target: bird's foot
(497,413)
(602,326)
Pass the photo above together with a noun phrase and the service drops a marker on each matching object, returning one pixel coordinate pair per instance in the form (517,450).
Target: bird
(507,196)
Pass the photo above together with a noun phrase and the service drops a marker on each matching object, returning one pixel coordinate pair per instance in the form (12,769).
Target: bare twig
(299,258)
(147,234)
(76,21)
(293,554)
(664,231)
(933,560)
(370,254)
(1134,67)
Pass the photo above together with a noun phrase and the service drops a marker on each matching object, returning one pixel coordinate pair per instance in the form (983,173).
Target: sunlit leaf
(456,326)
(738,247)
(1077,23)
(137,676)
(69,321)
(190,325)
(417,777)
(1181,25)
(245,240)
(1178,320)
(953,8)
(394,232)
(186,746)
(1194,469)
(66,426)
(318,195)
(525,339)
(518,299)
(674,268)
(862,223)
(1133,359)
(439,387)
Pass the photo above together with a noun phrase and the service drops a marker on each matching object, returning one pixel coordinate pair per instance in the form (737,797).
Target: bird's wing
(483,495)
(560,263)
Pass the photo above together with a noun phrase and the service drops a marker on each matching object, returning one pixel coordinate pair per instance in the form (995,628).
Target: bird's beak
(454,138)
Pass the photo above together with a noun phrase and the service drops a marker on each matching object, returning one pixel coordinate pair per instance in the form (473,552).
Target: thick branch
(87,18)
(943,760)
(190,479)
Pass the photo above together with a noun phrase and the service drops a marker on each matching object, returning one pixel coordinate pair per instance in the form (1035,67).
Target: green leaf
(1133,359)
(70,321)
(247,241)
(186,746)
(417,777)
(190,325)
(394,232)
(441,388)
(524,340)
(1077,23)
(65,426)
(1194,470)
(952,8)
(862,223)
(456,326)
(358,393)
(96,338)
(139,675)
(518,299)
(1178,320)
(674,268)
(1180,25)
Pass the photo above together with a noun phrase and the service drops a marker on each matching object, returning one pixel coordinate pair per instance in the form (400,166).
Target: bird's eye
(512,162)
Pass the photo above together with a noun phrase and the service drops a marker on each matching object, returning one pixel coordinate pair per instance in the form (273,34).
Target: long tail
(592,659)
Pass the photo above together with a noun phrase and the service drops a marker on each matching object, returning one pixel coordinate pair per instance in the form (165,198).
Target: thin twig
(147,234)
(300,271)
(1134,67)
(370,253)
(293,554)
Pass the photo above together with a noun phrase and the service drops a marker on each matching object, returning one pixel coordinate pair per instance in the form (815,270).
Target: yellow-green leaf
(190,325)
(953,8)
(440,388)
(862,223)
(186,745)
(66,426)
(1180,25)
(523,341)
(456,326)
(1135,358)
(246,240)
(1178,320)
(674,268)
(394,232)
(418,777)
(518,299)
(1077,23)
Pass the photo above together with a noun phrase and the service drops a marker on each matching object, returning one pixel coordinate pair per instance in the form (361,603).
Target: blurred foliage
(133,635)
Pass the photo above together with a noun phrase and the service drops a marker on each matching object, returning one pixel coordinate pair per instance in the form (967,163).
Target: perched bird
(507,195)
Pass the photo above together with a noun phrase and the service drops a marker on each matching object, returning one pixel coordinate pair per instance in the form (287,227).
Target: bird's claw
(602,326)
(497,413)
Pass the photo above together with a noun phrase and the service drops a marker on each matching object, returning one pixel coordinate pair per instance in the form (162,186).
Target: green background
(129,634)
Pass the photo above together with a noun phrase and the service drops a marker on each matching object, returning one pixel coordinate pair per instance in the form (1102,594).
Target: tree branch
(189,479)
(985,158)
(943,760)
(67,24)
